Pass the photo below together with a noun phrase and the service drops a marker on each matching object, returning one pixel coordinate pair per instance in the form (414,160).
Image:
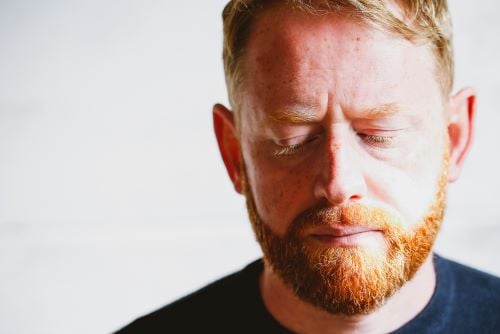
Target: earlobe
(229,145)
(461,113)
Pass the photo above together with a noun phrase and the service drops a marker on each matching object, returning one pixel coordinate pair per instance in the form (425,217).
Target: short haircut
(426,21)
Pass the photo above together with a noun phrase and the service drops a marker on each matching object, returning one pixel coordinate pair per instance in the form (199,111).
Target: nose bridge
(341,178)
(338,155)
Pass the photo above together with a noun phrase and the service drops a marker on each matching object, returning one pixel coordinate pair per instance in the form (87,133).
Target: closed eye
(378,141)
(287,150)
(291,149)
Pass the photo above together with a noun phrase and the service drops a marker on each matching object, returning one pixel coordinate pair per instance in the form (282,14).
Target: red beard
(348,280)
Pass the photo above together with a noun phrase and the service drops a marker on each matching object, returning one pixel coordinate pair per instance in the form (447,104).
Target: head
(343,136)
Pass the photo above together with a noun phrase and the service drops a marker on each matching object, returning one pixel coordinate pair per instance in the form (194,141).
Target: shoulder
(470,282)
(215,305)
(474,296)
(465,300)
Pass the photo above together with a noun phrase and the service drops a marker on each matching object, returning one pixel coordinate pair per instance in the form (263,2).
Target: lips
(346,236)
(341,231)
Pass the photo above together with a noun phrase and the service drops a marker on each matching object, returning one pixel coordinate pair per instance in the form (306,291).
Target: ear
(229,144)
(461,113)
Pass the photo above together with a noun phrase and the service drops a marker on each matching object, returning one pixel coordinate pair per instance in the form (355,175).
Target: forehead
(297,56)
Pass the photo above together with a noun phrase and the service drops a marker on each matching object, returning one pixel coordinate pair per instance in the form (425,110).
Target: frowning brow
(383,110)
(296,114)
(300,114)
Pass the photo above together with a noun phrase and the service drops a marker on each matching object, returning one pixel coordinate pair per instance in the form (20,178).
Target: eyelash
(380,141)
(292,149)
(288,150)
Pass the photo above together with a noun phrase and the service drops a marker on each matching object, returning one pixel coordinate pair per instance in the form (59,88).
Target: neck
(302,317)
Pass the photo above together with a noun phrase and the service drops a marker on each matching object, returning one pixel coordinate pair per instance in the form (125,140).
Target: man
(343,135)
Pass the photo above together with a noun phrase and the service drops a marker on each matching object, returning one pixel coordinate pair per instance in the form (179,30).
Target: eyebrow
(301,114)
(383,110)
(297,114)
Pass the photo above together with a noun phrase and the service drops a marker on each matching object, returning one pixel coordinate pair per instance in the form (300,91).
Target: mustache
(345,215)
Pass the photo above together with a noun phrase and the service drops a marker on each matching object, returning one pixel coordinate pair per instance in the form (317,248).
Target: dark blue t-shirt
(465,301)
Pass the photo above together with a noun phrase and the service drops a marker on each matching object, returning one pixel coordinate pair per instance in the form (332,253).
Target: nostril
(355,197)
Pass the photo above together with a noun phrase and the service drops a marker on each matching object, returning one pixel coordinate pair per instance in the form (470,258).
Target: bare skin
(336,112)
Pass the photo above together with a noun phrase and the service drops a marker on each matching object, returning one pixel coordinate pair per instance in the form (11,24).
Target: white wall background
(113,199)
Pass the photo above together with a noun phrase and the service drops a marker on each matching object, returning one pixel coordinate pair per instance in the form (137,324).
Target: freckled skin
(324,61)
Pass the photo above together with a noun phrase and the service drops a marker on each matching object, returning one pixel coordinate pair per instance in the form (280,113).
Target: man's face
(342,134)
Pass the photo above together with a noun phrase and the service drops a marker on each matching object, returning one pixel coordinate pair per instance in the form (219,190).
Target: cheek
(409,188)
(403,194)
(280,192)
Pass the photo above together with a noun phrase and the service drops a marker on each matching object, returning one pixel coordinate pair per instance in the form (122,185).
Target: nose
(340,180)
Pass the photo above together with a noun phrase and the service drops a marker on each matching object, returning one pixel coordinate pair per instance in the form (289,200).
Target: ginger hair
(422,21)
